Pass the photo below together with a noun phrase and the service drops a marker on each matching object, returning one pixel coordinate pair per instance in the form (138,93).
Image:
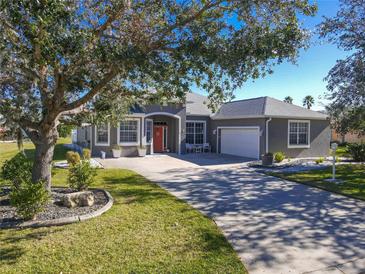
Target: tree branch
(185,22)
(94,91)
(25,123)
(97,33)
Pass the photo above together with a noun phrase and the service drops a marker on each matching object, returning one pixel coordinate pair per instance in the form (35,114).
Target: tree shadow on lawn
(134,188)
(11,253)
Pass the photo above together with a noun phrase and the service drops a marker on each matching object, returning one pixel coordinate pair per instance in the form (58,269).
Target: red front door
(158,139)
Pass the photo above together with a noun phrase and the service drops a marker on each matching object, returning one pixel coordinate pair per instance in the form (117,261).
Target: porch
(163,133)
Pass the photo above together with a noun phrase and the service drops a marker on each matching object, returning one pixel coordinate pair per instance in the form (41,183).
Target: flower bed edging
(65,220)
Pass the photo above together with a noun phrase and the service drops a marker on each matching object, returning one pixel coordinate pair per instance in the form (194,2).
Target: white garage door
(240,142)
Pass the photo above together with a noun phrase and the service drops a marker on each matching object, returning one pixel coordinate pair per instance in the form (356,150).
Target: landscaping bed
(301,165)
(54,212)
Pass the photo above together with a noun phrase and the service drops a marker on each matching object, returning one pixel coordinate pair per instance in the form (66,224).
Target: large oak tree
(346,80)
(57,57)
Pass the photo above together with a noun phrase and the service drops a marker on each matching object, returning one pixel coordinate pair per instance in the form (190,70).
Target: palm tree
(288,99)
(308,101)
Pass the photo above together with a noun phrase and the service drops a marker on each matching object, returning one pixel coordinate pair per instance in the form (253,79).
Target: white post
(334,147)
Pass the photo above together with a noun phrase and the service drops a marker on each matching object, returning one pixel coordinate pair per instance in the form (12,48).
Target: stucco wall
(320,136)
(172,130)
(126,150)
(214,124)
(83,136)
(175,109)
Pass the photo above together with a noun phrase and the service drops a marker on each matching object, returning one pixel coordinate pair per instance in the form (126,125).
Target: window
(149,126)
(298,134)
(102,135)
(195,132)
(128,132)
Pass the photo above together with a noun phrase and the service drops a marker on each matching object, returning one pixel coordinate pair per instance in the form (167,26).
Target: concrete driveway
(275,226)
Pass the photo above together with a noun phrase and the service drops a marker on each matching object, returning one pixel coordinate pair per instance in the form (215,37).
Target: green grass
(8,150)
(146,231)
(352,177)
(341,151)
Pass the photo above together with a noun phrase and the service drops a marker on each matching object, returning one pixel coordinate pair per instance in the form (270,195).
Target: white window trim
(309,133)
(165,129)
(138,133)
(145,129)
(96,137)
(205,128)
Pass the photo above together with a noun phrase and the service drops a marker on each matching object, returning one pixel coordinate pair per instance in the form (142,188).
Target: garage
(240,141)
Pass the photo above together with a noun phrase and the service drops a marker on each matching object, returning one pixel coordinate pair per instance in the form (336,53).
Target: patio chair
(189,148)
(198,148)
(207,147)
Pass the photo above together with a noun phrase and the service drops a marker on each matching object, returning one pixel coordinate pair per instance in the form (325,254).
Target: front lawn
(146,231)
(352,177)
(8,150)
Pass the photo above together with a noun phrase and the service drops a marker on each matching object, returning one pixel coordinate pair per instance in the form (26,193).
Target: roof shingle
(264,107)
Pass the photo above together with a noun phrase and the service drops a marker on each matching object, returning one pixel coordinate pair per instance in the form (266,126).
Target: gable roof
(262,107)
(196,104)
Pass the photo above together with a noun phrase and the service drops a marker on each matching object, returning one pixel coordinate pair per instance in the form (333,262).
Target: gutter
(267,134)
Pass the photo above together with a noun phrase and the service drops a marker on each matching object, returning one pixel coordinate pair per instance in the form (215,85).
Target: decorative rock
(81,198)
(67,201)
(87,199)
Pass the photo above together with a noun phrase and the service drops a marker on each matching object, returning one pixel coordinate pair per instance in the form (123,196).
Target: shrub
(116,147)
(319,160)
(17,169)
(72,158)
(81,175)
(279,157)
(86,153)
(357,151)
(29,198)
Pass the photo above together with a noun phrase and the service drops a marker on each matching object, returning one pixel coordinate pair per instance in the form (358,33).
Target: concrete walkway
(275,226)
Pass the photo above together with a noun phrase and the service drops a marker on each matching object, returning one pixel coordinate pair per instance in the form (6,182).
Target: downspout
(91,140)
(267,134)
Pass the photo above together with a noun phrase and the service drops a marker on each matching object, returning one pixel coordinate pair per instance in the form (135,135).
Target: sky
(307,76)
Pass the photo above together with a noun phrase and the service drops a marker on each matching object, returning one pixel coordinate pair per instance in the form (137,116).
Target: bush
(357,151)
(29,198)
(86,153)
(279,157)
(72,158)
(81,175)
(17,169)
(319,160)
(116,147)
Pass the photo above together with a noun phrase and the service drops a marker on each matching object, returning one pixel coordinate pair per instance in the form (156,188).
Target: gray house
(247,128)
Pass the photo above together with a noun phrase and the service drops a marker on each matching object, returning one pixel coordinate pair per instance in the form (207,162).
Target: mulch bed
(53,210)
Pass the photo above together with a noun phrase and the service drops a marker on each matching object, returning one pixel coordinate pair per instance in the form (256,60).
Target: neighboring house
(347,138)
(247,128)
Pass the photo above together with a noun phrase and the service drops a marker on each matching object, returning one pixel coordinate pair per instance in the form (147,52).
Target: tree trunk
(44,142)
(43,163)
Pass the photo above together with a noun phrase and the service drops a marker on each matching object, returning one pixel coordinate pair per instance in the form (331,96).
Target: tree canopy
(57,57)
(346,80)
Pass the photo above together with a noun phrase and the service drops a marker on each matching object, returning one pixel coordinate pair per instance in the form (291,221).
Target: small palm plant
(288,99)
